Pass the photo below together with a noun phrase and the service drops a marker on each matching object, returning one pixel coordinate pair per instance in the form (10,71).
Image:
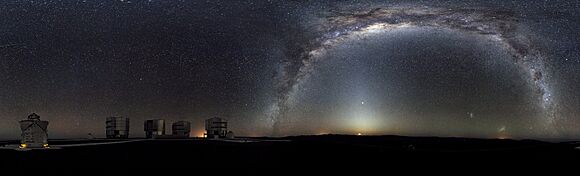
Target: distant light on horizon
(197,133)
(503,137)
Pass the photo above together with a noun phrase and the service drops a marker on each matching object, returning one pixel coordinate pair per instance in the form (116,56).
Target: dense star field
(493,69)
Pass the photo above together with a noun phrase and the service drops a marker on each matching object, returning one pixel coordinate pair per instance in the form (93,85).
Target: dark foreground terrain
(310,151)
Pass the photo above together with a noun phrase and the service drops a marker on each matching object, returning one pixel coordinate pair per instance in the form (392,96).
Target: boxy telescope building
(34,132)
(181,129)
(216,127)
(117,127)
(154,128)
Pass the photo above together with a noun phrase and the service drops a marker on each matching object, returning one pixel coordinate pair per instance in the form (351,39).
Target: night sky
(493,69)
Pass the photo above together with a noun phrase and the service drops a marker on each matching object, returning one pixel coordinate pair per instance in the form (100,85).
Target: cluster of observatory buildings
(118,128)
(35,134)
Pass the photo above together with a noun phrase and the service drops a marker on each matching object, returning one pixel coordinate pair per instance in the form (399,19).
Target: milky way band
(337,27)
